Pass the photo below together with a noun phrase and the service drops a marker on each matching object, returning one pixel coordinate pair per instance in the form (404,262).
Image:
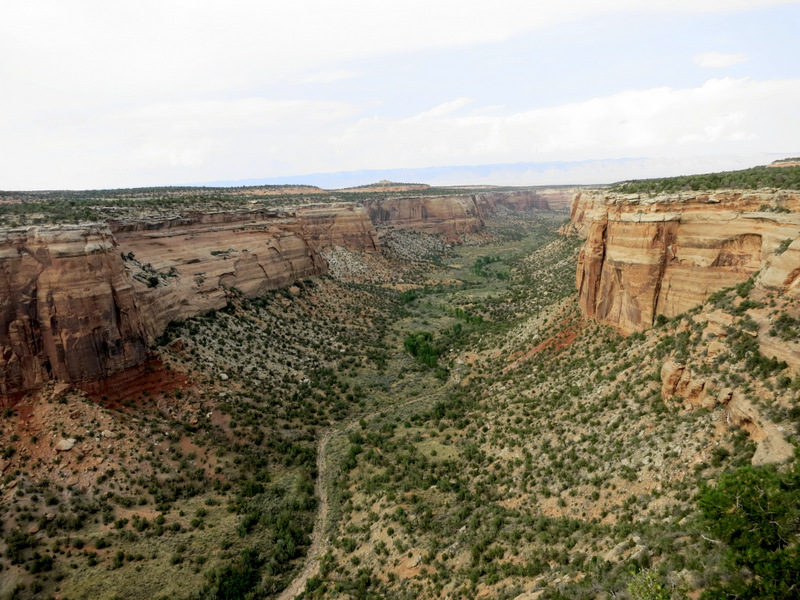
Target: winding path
(311,565)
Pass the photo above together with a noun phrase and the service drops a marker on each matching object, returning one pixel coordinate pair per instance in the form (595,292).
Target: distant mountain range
(522,173)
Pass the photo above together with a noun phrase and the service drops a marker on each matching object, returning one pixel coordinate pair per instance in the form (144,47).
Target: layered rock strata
(448,215)
(80,303)
(645,257)
(520,201)
(196,259)
(678,382)
(68,307)
(444,215)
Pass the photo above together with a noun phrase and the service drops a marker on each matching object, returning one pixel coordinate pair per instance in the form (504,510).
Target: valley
(404,397)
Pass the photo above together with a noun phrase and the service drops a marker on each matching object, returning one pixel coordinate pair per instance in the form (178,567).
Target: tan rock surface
(448,215)
(68,307)
(645,257)
(521,201)
(677,380)
(80,303)
(771,447)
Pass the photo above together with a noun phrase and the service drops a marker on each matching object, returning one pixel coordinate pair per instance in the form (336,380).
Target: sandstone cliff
(558,199)
(81,303)
(645,257)
(445,215)
(196,259)
(448,215)
(68,307)
(520,201)
(678,382)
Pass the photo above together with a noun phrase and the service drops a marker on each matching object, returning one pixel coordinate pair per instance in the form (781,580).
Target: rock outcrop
(81,303)
(771,447)
(443,215)
(558,199)
(448,215)
(68,307)
(678,380)
(519,201)
(679,383)
(195,260)
(645,257)
(344,225)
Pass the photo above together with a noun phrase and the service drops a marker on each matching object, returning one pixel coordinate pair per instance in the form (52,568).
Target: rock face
(677,380)
(558,199)
(68,307)
(448,215)
(665,255)
(771,447)
(196,259)
(520,201)
(445,215)
(581,209)
(343,225)
(81,303)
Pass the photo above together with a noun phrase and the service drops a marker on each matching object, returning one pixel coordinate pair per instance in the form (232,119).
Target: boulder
(65,445)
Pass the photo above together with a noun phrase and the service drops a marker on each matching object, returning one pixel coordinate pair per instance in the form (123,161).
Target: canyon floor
(436,421)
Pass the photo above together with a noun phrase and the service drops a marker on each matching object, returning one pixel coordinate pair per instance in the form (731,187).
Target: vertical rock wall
(662,256)
(81,303)
(67,307)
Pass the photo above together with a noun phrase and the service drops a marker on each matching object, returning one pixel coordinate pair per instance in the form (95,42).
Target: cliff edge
(80,303)
(663,255)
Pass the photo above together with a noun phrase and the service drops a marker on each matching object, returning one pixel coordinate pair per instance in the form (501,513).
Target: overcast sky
(117,94)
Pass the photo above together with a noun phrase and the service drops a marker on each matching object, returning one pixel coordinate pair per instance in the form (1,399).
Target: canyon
(80,303)
(229,399)
(449,215)
(83,302)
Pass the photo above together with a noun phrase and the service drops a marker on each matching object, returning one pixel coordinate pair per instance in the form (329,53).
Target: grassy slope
(540,455)
(561,470)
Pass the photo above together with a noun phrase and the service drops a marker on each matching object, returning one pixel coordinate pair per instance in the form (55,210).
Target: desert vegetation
(482,439)
(787,178)
(27,208)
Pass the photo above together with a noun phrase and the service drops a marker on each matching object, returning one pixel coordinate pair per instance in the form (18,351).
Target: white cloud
(718,60)
(115,49)
(246,112)
(714,118)
(164,91)
(169,143)
(329,76)
(443,109)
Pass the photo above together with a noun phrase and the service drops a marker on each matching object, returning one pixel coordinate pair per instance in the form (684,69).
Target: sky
(99,94)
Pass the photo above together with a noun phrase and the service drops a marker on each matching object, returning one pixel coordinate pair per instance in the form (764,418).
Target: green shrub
(756,513)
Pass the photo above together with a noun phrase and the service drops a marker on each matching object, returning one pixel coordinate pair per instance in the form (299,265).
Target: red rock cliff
(68,307)
(521,201)
(448,215)
(649,256)
(82,303)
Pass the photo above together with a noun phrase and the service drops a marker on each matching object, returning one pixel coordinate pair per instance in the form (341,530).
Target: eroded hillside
(443,418)
(83,302)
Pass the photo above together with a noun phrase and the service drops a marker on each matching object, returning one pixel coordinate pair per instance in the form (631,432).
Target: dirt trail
(311,566)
